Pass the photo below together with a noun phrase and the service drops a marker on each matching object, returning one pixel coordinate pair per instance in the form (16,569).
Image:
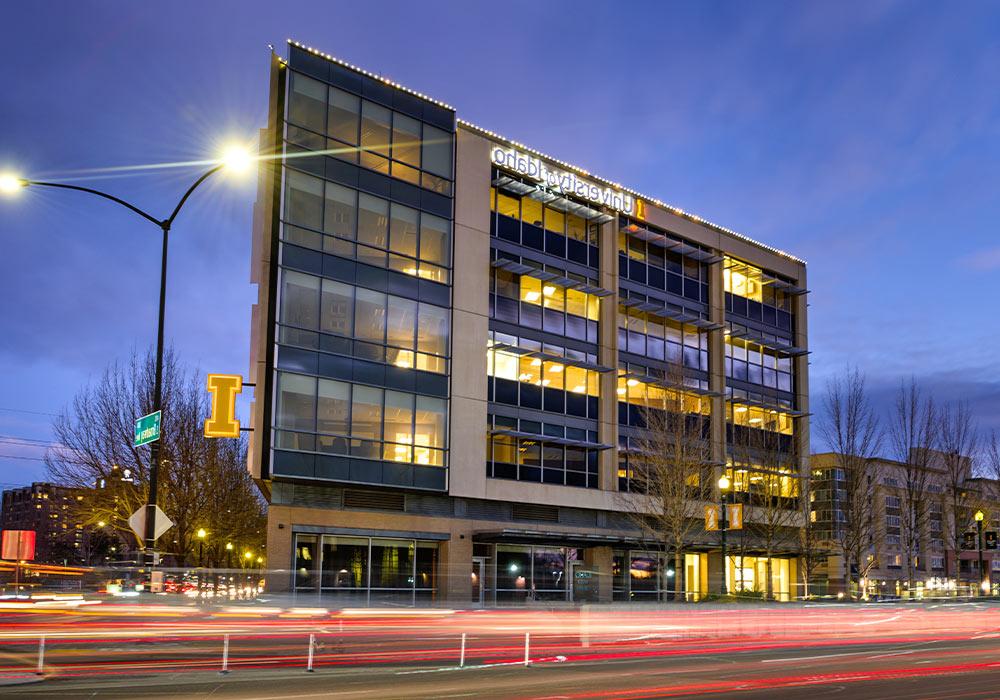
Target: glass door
(478,571)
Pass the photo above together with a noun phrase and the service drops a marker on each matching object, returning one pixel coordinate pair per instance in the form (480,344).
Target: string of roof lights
(510,142)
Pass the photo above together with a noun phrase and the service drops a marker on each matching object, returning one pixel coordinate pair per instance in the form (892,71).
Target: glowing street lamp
(234,159)
(11,184)
(201,544)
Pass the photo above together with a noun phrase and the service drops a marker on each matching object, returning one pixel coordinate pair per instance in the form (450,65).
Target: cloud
(983,398)
(981,260)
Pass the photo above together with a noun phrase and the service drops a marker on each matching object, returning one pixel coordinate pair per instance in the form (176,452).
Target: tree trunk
(679,587)
(769,584)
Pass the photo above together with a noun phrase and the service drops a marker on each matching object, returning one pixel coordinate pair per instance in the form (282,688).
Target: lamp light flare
(236,158)
(11,184)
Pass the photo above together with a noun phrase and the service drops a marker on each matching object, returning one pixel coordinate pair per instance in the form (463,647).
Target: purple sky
(863,137)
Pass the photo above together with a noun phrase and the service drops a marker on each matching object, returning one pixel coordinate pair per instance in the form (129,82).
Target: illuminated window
(531,290)
(742,279)
(531,211)
(772,420)
(402,234)
(400,324)
(508,206)
(637,392)
(555,221)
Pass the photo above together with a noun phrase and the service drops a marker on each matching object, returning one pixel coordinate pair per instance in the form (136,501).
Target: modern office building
(457,341)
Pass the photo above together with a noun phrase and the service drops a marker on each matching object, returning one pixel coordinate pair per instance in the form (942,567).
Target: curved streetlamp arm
(187,194)
(125,204)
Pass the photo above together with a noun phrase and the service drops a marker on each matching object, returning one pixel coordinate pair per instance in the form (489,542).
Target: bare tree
(199,478)
(959,439)
(991,457)
(913,435)
(767,479)
(813,550)
(671,465)
(852,431)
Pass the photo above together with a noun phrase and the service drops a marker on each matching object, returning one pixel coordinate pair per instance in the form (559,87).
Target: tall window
(390,329)
(565,234)
(326,216)
(755,295)
(529,302)
(392,143)
(542,377)
(652,264)
(340,418)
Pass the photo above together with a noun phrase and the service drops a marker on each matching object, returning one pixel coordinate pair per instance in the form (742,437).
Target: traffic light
(223,388)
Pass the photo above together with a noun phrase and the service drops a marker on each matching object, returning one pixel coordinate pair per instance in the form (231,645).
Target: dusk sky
(863,137)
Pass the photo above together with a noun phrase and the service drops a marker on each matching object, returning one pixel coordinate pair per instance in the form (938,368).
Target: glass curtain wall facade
(362,327)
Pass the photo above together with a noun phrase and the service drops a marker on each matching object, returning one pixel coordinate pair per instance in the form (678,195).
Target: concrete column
(716,571)
(600,560)
(801,367)
(608,356)
(455,567)
(716,360)
(280,555)
(470,317)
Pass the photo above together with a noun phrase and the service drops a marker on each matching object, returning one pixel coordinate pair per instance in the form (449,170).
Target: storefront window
(306,562)
(392,564)
(345,564)
(367,569)
(513,579)
(644,575)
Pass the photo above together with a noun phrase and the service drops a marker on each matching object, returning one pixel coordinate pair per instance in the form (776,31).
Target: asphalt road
(942,651)
(943,670)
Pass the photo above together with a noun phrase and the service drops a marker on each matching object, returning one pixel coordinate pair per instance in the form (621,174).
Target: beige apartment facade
(947,541)
(456,343)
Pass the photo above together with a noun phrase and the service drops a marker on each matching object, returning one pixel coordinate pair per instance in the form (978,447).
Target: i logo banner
(223,388)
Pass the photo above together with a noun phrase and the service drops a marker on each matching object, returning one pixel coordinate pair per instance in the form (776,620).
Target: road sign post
(147,429)
(161,523)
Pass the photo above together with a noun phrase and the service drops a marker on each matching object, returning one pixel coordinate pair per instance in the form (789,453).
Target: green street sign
(147,429)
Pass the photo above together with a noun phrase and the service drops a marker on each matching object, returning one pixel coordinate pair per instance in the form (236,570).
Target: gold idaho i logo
(223,388)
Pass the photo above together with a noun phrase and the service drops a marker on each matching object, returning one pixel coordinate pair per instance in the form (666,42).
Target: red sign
(18,545)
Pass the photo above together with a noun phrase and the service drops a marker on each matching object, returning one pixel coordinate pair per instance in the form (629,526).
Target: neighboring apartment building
(48,510)
(942,562)
(454,342)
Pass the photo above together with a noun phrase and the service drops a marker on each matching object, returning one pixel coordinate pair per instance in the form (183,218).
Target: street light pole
(235,160)
(979,545)
(723,526)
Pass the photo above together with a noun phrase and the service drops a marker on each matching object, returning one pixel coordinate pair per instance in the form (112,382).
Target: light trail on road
(720,650)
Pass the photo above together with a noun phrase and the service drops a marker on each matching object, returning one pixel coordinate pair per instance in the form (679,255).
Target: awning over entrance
(558,539)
